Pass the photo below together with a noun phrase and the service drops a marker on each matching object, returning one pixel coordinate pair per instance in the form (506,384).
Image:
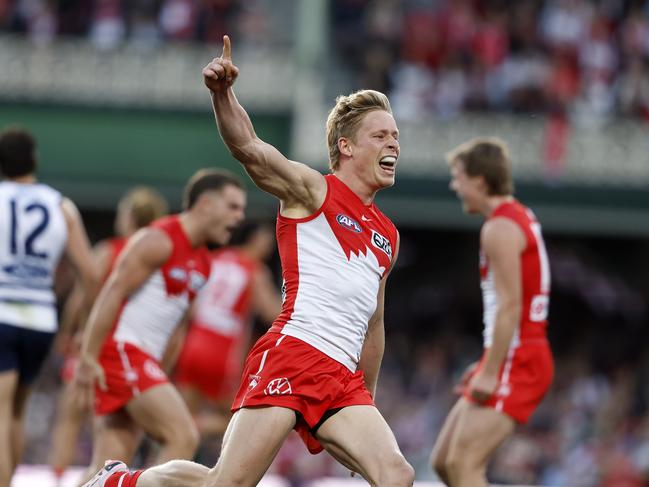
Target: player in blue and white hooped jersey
(37,224)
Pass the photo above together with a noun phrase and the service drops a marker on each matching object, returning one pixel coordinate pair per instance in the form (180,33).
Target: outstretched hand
(220,74)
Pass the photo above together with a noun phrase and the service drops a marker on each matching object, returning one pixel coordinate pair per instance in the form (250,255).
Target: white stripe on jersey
(336,296)
(33,234)
(150,316)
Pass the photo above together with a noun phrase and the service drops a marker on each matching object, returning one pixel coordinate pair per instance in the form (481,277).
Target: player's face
(376,149)
(226,212)
(469,189)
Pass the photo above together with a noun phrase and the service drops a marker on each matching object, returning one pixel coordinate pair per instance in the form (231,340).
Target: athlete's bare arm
(502,242)
(146,251)
(301,189)
(74,313)
(374,344)
(266,301)
(78,249)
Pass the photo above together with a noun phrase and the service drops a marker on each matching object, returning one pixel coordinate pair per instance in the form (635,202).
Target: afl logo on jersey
(178,274)
(382,243)
(348,223)
(196,280)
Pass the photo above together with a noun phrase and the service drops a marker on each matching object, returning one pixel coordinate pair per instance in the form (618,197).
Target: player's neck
(493,202)
(193,229)
(364,192)
(27,179)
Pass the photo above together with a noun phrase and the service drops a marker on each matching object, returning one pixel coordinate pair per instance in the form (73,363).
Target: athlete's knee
(396,472)
(458,464)
(184,436)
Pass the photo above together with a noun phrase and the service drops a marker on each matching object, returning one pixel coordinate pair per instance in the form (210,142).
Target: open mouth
(388,164)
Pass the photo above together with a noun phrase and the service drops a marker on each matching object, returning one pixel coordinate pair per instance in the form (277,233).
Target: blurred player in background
(145,298)
(240,286)
(137,208)
(515,372)
(37,224)
(317,368)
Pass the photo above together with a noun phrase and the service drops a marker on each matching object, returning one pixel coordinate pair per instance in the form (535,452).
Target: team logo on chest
(382,243)
(349,223)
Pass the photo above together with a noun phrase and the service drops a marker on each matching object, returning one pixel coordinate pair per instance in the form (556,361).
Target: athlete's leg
(115,437)
(18,423)
(476,435)
(439,455)
(8,386)
(360,438)
(251,442)
(67,425)
(163,415)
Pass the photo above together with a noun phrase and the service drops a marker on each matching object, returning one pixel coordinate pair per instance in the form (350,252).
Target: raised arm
(502,242)
(301,189)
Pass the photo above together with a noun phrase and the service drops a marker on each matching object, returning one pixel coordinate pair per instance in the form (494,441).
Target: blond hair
(144,204)
(345,117)
(487,157)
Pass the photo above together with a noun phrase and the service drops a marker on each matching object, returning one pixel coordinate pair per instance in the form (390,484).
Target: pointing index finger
(227,50)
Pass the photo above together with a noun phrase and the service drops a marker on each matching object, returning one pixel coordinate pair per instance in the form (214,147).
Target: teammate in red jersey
(516,369)
(316,369)
(136,209)
(138,310)
(240,286)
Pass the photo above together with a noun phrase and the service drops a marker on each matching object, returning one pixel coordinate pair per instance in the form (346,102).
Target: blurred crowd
(587,57)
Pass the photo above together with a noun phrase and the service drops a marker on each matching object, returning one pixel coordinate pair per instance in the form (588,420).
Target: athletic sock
(123,479)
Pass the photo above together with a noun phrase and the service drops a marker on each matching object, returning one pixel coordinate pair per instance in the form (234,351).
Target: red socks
(123,479)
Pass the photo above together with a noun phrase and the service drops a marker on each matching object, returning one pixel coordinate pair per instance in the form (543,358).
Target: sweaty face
(375,149)
(469,189)
(226,212)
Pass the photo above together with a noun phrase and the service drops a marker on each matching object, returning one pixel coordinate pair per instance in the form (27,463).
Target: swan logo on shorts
(382,243)
(278,387)
(349,223)
(254,380)
(153,370)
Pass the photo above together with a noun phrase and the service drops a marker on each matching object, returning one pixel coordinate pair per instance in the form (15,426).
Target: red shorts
(129,372)
(283,371)
(211,363)
(525,377)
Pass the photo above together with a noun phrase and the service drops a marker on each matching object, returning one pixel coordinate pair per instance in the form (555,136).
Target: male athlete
(37,224)
(136,313)
(516,368)
(316,369)
(240,286)
(136,209)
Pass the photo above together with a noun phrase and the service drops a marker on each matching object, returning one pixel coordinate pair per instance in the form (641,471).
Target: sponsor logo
(253,380)
(283,291)
(178,274)
(278,387)
(196,280)
(153,370)
(382,243)
(349,223)
(539,308)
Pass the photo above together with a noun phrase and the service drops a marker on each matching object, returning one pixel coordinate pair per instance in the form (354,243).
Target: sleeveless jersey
(33,235)
(150,315)
(332,263)
(535,279)
(223,305)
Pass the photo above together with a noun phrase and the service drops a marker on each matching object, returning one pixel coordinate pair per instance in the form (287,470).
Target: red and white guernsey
(223,305)
(150,315)
(332,263)
(535,276)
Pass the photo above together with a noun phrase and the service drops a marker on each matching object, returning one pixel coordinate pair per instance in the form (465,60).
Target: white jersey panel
(33,234)
(490,308)
(150,316)
(336,296)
